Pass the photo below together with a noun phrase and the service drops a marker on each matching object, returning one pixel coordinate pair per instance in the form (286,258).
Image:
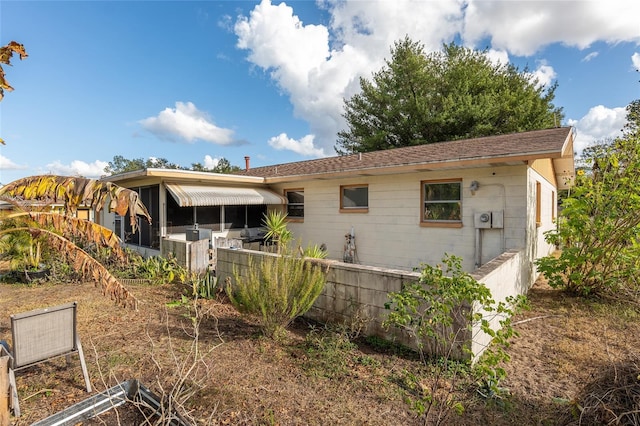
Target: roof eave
(564,166)
(420,167)
(186,175)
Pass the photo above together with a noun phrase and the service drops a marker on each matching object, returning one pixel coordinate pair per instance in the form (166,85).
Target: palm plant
(275,223)
(62,230)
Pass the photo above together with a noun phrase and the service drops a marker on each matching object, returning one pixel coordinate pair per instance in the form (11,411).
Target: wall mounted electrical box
(489,219)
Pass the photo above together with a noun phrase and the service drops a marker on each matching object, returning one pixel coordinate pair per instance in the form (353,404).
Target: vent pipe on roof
(246,162)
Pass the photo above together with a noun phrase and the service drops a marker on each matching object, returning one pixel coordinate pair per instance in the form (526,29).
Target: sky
(196,81)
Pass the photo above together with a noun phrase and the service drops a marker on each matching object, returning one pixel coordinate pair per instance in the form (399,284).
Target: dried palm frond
(74,228)
(76,191)
(83,263)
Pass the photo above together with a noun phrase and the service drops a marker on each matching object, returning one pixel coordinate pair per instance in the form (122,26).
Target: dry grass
(566,345)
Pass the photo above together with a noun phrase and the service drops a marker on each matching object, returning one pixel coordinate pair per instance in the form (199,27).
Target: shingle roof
(548,143)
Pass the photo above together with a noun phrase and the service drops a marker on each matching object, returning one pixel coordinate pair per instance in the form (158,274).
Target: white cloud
(599,124)
(544,74)
(318,66)
(498,57)
(590,56)
(317,76)
(635,60)
(210,162)
(186,123)
(304,146)
(77,168)
(523,27)
(7,164)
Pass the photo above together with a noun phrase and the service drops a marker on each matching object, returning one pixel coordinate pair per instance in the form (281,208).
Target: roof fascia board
(185,176)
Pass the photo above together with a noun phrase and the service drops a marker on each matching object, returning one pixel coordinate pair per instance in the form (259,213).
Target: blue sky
(194,81)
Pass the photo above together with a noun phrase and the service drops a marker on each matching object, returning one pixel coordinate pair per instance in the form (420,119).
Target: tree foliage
(599,225)
(223,166)
(6,53)
(456,93)
(120,164)
(66,234)
(76,191)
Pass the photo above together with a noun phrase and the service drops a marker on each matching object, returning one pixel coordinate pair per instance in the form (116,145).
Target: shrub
(439,312)
(599,225)
(204,285)
(277,290)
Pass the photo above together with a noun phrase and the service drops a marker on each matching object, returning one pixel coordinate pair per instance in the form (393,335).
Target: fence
(359,293)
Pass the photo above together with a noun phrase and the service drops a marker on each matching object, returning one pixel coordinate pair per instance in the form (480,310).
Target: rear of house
(474,198)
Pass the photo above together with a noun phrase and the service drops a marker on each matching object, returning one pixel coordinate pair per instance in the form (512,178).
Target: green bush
(599,225)
(437,312)
(277,290)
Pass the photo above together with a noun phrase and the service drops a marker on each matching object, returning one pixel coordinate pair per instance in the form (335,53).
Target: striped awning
(205,195)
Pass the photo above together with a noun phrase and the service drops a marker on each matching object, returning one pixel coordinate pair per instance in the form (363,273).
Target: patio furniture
(41,335)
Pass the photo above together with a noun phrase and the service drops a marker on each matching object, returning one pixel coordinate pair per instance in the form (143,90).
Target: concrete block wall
(352,292)
(358,293)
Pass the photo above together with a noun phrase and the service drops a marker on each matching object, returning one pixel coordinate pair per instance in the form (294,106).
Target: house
(399,208)
(380,215)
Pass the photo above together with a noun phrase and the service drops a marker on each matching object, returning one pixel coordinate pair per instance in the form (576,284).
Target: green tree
(120,164)
(457,93)
(223,166)
(633,118)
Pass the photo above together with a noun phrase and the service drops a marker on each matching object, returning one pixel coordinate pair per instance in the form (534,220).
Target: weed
(329,353)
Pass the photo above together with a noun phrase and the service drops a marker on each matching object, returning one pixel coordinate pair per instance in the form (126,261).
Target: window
(442,202)
(295,203)
(354,198)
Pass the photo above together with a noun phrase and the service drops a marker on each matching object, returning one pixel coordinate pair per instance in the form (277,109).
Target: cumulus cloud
(7,164)
(304,146)
(318,66)
(185,123)
(498,57)
(523,27)
(635,60)
(210,162)
(590,56)
(544,74)
(600,123)
(77,168)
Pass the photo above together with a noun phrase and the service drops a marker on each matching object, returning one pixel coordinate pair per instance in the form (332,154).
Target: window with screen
(442,202)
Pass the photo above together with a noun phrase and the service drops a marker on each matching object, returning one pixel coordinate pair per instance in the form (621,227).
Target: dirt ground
(240,378)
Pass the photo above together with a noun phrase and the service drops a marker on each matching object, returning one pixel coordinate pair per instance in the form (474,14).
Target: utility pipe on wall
(478,247)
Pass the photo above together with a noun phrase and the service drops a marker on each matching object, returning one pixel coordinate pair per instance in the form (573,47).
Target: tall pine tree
(457,93)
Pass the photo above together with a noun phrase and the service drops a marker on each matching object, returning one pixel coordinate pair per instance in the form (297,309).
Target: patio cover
(205,195)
